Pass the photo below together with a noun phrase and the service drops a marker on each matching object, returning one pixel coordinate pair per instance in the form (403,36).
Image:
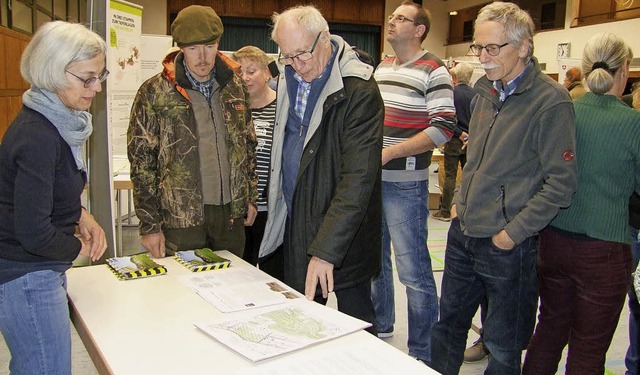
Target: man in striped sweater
(417,90)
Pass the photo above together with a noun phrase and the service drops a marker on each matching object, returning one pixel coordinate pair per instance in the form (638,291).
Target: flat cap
(196,24)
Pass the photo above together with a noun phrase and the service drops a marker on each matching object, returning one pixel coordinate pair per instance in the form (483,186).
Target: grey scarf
(74,126)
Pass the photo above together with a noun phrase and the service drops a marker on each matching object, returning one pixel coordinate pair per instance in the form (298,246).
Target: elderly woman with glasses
(42,176)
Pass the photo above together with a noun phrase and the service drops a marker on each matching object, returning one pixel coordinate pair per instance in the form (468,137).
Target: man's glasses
(90,81)
(399,18)
(302,56)
(492,49)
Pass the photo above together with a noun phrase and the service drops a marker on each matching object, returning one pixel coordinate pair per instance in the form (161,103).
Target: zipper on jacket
(215,132)
(495,114)
(504,206)
(484,148)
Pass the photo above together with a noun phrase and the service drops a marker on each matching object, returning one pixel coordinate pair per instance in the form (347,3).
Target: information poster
(124,21)
(125,39)
(154,49)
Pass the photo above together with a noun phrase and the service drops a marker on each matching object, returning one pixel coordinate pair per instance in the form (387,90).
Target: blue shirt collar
(505,90)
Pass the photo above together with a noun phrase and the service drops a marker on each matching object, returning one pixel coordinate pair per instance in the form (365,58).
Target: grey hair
(609,49)
(463,72)
(54,47)
(307,16)
(517,23)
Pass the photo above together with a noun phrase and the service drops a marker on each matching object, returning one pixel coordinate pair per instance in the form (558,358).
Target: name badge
(411,163)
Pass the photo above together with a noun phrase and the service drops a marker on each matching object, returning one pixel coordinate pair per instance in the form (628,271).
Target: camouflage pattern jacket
(162,147)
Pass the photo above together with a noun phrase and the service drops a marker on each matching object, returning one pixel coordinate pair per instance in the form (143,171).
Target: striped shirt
(263,120)
(418,96)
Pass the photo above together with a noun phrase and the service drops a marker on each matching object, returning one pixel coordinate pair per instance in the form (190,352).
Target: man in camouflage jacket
(191,145)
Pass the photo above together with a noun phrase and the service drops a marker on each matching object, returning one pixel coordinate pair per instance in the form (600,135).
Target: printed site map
(269,332)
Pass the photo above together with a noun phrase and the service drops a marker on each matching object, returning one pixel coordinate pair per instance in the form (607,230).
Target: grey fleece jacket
(521,166)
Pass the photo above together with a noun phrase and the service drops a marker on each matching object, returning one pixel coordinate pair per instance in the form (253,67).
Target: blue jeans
(632,360)
(405,212)
(476,269)
(34,320)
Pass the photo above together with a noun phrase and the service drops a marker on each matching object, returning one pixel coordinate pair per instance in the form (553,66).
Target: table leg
(118,251)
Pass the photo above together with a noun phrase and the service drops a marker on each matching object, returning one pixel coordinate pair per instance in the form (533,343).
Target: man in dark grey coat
(324,189)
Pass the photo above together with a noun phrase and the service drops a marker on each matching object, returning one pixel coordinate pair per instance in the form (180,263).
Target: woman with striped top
(255,73)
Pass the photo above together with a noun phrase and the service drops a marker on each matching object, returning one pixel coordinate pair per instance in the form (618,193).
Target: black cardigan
(40,188)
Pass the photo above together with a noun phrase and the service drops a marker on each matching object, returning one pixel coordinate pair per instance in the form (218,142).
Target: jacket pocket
(485,206)
(503,197)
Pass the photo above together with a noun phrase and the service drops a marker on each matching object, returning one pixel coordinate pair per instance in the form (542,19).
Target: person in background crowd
(454,151)
(254,69)
(419,115)
(324,189)
(632,99)
(632,358)
(573,83)
(42,177)
(584,260)
(520,172)
(191,146)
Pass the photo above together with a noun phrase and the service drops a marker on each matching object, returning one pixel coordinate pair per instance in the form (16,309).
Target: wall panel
(348,11)
(14,47)
(351,11)
(372,14)
(12,43)
(327,8)
(3,58)
(264,9)
(286,4)
(4,116)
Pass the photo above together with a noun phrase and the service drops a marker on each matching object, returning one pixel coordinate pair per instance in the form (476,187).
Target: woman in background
(254,68)
(584,259)
(42,176)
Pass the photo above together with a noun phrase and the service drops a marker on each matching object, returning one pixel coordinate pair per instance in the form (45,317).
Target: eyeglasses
(492,49)
(399,18)
(302,56)
(90,81)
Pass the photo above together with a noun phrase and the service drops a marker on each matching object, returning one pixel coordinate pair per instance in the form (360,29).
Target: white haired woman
(584,260)
(42,176)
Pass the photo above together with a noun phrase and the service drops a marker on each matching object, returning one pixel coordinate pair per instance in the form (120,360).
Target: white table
(145,326)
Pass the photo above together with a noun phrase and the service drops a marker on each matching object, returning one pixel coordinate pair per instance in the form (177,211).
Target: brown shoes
(476,352)
(439,216)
